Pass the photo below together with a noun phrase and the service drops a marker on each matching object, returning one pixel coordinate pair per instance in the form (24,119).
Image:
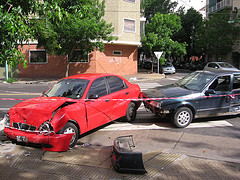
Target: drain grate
(154,163)
(33,162)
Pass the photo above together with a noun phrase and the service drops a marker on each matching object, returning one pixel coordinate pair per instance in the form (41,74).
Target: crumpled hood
(168,91)
(35,111)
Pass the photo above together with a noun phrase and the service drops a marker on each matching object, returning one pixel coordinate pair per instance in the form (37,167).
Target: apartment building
(118,57)
(214,6)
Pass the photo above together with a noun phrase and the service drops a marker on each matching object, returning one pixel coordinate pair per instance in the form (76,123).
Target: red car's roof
(89,76)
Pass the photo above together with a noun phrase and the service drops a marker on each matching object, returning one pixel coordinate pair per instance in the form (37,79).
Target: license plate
(22,139)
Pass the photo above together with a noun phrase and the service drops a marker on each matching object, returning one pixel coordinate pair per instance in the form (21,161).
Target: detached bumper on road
(124,160)
(50,142)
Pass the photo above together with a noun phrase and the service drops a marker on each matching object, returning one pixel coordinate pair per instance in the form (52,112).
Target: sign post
(158,54)
(6,69)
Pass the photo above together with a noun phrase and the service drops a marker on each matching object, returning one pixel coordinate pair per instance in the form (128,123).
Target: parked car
(222,66)
(199,94)
(168,68)
(71,107)
(147,63)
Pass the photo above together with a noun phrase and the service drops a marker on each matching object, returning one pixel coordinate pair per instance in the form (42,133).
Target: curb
(141,76)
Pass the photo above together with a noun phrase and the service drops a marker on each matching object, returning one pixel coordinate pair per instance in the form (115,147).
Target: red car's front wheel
(70,128)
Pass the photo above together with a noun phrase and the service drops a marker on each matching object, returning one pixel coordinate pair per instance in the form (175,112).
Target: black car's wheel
(131,112)
(70,128)
(182,117)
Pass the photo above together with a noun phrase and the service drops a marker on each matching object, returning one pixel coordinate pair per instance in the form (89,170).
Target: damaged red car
(71,107)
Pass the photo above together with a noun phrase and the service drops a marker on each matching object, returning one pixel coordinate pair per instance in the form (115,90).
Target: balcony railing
(220,5)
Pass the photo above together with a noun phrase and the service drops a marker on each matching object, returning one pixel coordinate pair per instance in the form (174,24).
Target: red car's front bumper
(50,142)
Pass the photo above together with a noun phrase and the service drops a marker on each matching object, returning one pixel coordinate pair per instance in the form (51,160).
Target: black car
(199,94)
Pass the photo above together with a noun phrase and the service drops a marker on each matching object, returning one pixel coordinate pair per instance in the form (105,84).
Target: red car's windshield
(70,88)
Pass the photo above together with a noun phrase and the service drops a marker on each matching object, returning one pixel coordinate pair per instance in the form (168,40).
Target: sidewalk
(166,155)
(143,76)
(139,77)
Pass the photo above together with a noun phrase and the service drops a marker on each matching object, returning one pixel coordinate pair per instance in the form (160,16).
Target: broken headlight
(6,120)
(46,126)
(156,104)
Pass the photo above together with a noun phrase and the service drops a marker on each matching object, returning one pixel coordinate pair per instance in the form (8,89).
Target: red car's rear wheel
(131,112)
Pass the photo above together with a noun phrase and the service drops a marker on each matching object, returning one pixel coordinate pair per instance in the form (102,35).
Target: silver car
(168,68)
(222,66)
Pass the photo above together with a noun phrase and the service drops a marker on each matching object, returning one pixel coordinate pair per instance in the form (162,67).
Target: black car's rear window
(70,88)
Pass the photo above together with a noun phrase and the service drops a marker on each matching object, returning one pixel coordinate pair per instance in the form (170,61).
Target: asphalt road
(228,126)
(203,150)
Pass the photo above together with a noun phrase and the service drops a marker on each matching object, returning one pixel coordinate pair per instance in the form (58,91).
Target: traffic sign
(158,54)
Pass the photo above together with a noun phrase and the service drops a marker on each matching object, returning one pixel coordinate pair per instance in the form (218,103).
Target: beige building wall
(119,11)
(236,3)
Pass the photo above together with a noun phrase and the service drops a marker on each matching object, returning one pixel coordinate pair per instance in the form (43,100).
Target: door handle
(228,99)
(107,100)
(89,100)
(127,93)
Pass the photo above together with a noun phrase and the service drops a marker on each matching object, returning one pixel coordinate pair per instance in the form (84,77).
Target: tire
(131,112)
(70,128)
(182,117)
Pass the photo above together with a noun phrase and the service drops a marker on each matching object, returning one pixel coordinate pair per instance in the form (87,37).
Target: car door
(118,97)
(97,104)
(235,96)
(219,102)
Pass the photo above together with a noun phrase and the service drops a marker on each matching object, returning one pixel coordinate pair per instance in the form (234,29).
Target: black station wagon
(199,94)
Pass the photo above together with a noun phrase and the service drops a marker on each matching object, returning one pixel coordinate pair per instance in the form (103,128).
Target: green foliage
(158,35)
(215,35)
(11,80)
(65,25)
(162,60)
(152,7)
(190,22)
(14,30)
(60,26)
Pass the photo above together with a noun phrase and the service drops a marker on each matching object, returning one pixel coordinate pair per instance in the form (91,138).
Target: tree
(190,22)
(64,25)
(216,35)
(14,29)
(158,35)
(151,7)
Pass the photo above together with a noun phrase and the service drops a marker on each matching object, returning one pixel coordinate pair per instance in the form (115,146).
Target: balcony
(220,5)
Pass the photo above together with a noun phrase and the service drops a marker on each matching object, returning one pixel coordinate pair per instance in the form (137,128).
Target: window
(116,84)
(213,65)
(70,88)
(130,1)
(236,81)
(222,83)
(195,81)
(37,56)
(129,25)
(80,57)
(118,53)
(98,87)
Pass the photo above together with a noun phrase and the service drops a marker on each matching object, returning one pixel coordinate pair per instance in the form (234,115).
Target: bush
(11,80)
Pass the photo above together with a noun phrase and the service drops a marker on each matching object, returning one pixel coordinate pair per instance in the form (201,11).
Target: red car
(71,107)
